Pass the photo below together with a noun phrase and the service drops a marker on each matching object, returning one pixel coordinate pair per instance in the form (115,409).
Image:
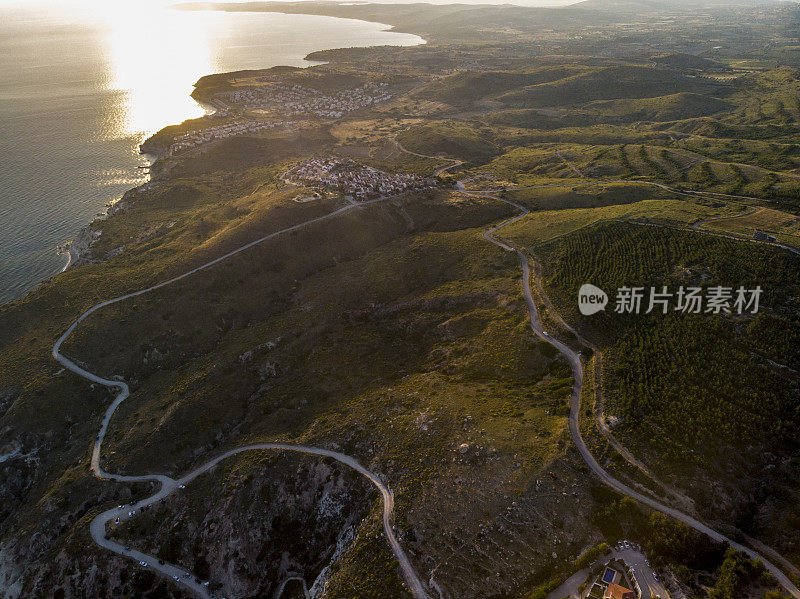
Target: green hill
(672,107)
(710,127)
(609,83)
(532,118)
(680,60)
(448,137)
(465,88)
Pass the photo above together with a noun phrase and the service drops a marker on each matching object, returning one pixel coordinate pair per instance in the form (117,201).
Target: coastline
(71,247)
(78,248)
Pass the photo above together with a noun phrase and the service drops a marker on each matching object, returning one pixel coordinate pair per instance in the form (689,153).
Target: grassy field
(587,195)
(451,139)
(671,107)
(546,225)
(785,227)
(604,83)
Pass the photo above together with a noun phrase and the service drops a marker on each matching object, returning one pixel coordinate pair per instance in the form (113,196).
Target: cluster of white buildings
(355,180)
(283,99)
(195,138)
(296,100)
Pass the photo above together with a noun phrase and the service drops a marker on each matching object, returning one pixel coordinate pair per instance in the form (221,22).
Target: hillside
(331,282)
(684,105)
(688,61)
(733,411)
(467,88)
(604,84)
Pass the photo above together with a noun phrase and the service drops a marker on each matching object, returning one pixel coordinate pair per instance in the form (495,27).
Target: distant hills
(657,5)
(463,22)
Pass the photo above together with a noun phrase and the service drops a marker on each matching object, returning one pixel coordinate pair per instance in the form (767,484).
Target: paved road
(300,579)
(686,502)
(168,485)
(454,162)
(577,368)
(644,574)
(571,586)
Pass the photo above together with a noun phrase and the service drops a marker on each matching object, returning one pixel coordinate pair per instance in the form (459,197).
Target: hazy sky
(125,6)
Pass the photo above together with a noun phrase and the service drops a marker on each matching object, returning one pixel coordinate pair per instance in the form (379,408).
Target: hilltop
(341,292)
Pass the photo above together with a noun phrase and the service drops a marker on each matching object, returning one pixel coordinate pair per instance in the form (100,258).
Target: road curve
(168,485)
(575,402)
(453,161)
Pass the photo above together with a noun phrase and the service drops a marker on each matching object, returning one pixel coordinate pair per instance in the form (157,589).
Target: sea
(83,84)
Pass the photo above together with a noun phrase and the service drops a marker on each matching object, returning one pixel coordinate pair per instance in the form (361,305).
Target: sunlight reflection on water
(83,84)
(157,73)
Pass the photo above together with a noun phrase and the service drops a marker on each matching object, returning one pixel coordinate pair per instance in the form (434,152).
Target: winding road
(453,161)
(168,485)
(575,404)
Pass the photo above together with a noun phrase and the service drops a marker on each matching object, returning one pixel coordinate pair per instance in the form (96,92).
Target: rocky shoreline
(79,249)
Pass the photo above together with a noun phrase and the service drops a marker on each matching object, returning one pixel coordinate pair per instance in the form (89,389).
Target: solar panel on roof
(608,575)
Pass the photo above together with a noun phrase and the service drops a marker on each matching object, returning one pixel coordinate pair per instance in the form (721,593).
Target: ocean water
(82,87)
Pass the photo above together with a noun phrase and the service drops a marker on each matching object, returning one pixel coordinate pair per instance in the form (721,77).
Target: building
(761,236)
(615,591)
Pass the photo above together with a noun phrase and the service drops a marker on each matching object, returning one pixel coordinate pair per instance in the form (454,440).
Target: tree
(735,573)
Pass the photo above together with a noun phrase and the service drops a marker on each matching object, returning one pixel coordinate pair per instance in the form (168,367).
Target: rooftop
(615,591)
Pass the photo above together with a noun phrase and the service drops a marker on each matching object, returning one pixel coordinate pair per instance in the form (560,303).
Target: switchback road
(168,485)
